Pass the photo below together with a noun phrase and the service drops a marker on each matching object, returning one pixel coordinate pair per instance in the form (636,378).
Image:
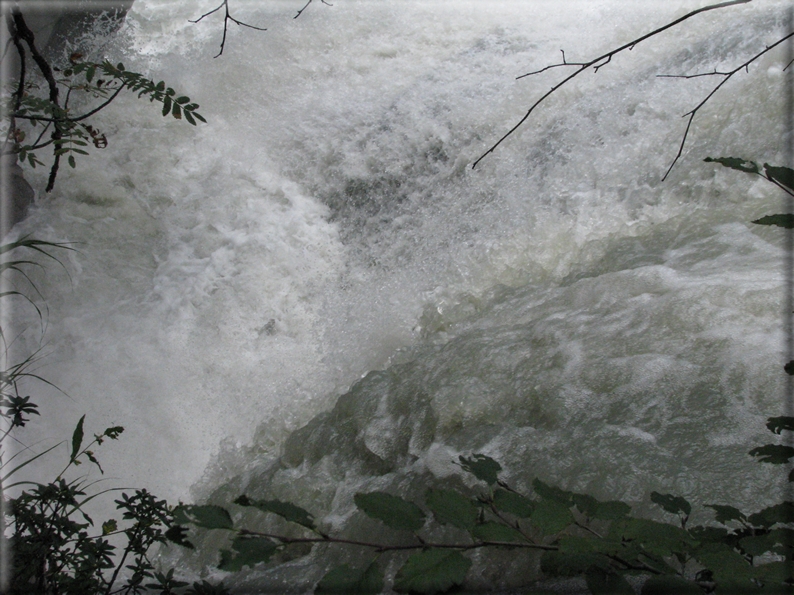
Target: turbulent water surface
(559,307)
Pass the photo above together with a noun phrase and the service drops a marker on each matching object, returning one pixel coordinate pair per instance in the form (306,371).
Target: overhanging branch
(597,63)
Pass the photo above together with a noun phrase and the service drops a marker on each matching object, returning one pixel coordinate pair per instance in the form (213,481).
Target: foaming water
(559,307)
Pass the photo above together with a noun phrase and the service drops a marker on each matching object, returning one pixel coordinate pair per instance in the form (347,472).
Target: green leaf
(661,539)
(80,151)
(208,516)
(611,511)
(248,551)
(736,163)
(286,510)
(551,517)
(176,111)
(109,526)
(779,513)
(343,579)
(777,424)
(781,175)
(89,75)
(555,494)
(452,508)
(602,582)
(71,161)
(199,116)
(672,504)
(166,105)
(513,503)
(778,541)
(777,454)
(668,585)
(431,571)
(182,100)
(786,221)
(392,510)
(725,514)
(482,467)
(496,532)
(160,86)
(556,563)
(178,534)
(189,118)
(77,438)
(730,569)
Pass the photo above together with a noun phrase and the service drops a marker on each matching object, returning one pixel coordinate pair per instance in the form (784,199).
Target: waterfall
(314,294)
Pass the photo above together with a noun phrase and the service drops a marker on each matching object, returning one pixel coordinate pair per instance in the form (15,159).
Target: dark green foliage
(286,510)
(672,504)
(496,532)
(391,510)
(246,551)
(781,175)
(482,467)
(453,508)
(785,221)
(344,579)
(207,516)
(603,582)
(777,424)
(773,453)
(431,571)
(513,503)
(735,163)
(725,514)
(670,585)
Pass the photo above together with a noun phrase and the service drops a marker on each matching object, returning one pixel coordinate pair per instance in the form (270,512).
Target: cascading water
(558,308)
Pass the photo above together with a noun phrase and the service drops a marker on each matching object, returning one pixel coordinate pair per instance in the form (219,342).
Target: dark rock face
(17,195)
(55,26)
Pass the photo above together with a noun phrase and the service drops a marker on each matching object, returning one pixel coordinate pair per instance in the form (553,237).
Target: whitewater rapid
(559,307)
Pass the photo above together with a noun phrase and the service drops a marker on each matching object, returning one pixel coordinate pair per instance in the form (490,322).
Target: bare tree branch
(599,62)
(307,6)
(226,18)
(727,76)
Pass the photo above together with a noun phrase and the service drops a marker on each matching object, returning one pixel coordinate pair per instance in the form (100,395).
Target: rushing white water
(559,307)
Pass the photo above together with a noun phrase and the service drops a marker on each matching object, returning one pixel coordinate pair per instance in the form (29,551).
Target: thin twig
(307,6)
(226,18)
(601,61)
(727,76)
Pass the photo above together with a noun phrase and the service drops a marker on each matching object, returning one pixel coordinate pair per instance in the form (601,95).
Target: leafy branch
(604,59)
(575,534)
(69,134)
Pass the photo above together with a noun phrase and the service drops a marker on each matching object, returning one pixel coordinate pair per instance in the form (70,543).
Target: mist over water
(558,308)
